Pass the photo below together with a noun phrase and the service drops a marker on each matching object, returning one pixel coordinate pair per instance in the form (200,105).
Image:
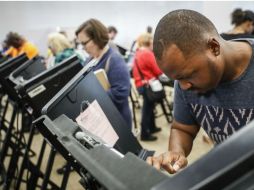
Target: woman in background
(145,64)
(244,25)
(60,47)
(93,35)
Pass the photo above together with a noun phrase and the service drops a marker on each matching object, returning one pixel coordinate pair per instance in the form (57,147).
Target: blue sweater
(119,79)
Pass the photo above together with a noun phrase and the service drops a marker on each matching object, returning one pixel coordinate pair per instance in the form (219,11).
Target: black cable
(3,175)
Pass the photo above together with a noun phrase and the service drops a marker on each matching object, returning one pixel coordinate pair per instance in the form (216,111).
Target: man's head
(187,47)
(112,32)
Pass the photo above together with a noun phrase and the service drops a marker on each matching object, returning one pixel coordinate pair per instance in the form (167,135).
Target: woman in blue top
(93,35)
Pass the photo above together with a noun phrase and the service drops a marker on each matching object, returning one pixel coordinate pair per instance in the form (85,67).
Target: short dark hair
(112,29)
(149,29)
(184,28)
(96,31)
(14,39)
(239,16)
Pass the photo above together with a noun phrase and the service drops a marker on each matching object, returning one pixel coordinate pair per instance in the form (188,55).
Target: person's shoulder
(29,44)
(147,54)
(115,56)
(70,51)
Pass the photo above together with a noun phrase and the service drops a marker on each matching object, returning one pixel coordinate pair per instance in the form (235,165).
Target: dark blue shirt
(222,111)
(119,79)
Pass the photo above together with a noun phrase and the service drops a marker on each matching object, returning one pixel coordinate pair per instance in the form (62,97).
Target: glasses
(85,43)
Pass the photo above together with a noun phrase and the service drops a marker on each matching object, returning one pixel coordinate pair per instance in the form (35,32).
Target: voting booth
(228,166)
(35,93)
(83,91)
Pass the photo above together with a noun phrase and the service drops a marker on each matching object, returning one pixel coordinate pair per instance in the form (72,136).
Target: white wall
(35,20)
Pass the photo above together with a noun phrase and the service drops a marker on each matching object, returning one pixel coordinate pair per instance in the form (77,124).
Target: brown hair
(96,31)
(112,29)
(14,39)
(239,16)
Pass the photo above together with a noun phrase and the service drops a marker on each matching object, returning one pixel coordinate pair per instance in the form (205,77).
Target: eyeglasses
(85,43)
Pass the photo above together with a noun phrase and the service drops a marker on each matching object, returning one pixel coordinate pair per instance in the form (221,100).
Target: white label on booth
(36,91)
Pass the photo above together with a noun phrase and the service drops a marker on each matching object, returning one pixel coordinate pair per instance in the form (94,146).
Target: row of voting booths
(50,101)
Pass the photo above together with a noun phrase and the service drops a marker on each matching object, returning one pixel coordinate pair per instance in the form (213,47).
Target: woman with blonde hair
(60,47)
(145,68)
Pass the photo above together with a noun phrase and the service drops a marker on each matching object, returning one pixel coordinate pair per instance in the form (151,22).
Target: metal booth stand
(13,136)
(35,93)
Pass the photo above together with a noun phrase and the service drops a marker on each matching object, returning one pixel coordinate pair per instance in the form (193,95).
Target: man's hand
(170,161)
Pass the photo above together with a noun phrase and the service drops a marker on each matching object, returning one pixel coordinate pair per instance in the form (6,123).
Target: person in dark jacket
(93,35)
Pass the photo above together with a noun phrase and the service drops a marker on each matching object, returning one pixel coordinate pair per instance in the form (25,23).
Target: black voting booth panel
(34,94)
(95,162)
(228,166)
(37,91)
(9,64)
(86,87)
(27,70)
(5,69)
(12,139)
(3,59)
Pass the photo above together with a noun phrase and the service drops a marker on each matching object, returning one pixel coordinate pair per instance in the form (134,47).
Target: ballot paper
(94,120)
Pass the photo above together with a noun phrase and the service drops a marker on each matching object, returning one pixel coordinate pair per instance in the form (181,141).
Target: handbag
(153,88)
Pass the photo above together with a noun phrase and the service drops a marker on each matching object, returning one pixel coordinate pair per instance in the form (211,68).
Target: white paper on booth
(94,120)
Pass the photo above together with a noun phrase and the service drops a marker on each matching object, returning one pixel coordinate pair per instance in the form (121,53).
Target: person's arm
(180,144)
(183,131)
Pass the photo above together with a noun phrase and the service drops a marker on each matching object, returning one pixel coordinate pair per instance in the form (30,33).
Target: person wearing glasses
(93,35)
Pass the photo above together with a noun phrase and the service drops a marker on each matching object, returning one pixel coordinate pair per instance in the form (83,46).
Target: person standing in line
(112,32)
(145,69)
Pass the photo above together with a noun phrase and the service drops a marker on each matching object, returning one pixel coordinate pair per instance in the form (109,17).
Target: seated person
(18,45)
